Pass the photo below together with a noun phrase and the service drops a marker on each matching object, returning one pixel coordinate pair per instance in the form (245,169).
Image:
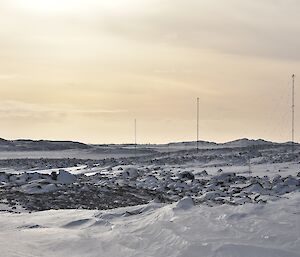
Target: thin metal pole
(293,113)
(197,124)
(135,143)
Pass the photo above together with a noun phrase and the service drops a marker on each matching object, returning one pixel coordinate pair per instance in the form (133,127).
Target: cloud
(268,29)
(8,76)
(22,110)
(259,28)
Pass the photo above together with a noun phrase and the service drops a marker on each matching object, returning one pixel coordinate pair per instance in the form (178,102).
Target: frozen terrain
(240,198)
(154,229)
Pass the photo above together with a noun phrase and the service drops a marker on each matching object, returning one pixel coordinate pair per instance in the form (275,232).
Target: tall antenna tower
(293,112)
(197,124)
(135,143)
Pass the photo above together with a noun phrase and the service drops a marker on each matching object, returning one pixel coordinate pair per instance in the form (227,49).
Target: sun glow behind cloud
(68,6)
(48,6)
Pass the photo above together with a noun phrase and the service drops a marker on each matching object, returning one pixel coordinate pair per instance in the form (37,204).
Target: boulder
(130,173)
(65,177)
(186,175)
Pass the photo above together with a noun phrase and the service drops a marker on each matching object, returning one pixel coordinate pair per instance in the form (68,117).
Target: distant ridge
(39,145)
(244,142)
(48,145)
(194,143)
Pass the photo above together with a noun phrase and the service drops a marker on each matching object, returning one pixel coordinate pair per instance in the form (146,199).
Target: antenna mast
(197,124)
(293,113)
(135,137)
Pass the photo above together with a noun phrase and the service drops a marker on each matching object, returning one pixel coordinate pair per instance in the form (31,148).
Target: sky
(85,69)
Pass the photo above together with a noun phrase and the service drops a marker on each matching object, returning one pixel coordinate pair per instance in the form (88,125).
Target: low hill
(40,145)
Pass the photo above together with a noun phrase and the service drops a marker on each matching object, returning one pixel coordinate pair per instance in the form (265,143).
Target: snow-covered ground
(235,200)
(159,230)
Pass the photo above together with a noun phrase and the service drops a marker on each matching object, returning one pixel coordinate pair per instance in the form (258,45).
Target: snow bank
(185,203)
(251,230)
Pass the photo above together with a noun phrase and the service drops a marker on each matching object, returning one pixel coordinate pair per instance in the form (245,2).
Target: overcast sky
(84,69)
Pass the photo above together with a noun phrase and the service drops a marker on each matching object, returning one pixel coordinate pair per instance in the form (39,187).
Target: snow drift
(176,230)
